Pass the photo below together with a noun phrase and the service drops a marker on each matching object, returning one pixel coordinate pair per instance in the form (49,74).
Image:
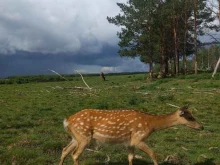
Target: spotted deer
(120,126)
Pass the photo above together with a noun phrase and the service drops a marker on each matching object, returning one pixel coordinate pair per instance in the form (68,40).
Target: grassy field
(31,116)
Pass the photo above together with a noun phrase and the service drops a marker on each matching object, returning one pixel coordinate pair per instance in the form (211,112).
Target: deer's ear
(184,108)
(181,112)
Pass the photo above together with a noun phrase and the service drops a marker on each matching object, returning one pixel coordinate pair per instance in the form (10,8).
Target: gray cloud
(26,63)
(60,35)
(53,26)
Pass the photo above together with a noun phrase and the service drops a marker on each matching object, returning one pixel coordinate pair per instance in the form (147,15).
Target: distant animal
(102,76)
(130,127)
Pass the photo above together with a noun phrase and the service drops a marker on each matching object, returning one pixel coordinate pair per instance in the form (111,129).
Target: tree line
(165,32)
(208,57)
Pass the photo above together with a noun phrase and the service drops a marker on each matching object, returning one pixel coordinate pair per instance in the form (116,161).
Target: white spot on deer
(104,135)
(81,123)
(109,122)
(124,134)
(139,125)
(78,119)
(121,123)
(122,128)
(132,129)
(140,134)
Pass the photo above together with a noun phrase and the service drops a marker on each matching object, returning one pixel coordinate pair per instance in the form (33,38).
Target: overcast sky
(61,35)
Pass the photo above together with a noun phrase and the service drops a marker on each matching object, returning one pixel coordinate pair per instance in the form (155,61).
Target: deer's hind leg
(82,143)
(69,148)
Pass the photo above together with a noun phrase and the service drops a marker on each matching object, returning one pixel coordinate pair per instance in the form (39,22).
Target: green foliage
(207,58)
(161,31)
(138,35)
(37,78)
(31,129)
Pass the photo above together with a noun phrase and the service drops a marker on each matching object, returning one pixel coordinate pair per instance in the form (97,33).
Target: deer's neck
(163,121)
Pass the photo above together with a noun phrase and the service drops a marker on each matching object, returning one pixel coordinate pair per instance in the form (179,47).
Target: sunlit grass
(31,116)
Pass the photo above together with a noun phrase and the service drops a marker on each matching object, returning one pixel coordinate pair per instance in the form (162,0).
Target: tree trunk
(219,10)
(102,76)
(184,56)
(175,40)
(208,60)
(217,65)
(216,68)
(151,70)
(195,36)
(175,52)
(163,70)
(185,37)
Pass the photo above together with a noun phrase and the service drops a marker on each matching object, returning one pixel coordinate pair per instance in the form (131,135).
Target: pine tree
(162,32)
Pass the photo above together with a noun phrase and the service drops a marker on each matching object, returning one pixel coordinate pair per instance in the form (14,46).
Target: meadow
(31,118)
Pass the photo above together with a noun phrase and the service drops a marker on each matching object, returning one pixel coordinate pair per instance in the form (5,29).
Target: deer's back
(108,125)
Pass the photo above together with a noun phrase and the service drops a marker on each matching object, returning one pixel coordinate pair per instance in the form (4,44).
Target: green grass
(31,116)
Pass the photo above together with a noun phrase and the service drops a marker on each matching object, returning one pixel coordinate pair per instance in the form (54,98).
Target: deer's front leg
(142,146)
(130,155)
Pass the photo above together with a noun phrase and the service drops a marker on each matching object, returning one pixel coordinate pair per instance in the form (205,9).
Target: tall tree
(138,30)
(161,31)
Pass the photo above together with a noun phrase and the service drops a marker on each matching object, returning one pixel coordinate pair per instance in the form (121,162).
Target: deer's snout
(199,126)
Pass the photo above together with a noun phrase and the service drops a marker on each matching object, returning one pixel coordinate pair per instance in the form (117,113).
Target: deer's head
(185,117)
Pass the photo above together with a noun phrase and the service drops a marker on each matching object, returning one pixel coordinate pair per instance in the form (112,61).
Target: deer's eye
(189,117)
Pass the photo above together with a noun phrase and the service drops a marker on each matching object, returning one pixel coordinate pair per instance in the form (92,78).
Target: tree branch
(58,74)
(83,79)
(173,105)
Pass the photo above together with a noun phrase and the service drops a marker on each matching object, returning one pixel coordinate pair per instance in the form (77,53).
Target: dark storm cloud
(60,35)
(27,63)
(54,26)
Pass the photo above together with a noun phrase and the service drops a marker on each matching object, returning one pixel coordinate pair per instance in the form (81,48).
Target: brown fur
(120,126)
